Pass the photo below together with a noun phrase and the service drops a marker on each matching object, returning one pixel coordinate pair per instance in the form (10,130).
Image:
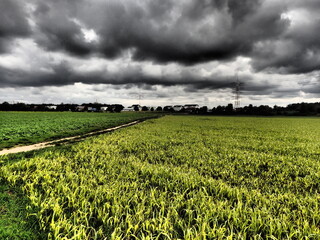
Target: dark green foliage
(21,128)
(14,220)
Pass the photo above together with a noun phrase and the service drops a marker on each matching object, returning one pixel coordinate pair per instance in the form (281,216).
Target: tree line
(88,107)
(295,109)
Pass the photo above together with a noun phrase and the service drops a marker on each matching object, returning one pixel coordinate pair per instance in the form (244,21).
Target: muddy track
(41,145)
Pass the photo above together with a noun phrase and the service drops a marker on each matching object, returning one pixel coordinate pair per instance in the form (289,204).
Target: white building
(52,107)
(104,108)
(128,109)
(177,108)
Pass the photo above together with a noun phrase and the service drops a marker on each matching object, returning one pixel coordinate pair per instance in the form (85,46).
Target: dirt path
(62,140)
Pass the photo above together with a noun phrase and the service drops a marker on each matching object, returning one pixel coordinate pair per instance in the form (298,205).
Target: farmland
(179,177)
(32,127)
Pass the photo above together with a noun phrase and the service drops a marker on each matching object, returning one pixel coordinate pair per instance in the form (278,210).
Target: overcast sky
(166,51)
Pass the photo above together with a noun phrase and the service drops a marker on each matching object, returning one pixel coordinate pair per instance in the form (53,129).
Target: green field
(179,177)
(32,127)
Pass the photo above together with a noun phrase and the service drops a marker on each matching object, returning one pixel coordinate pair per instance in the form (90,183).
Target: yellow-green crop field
(180,177)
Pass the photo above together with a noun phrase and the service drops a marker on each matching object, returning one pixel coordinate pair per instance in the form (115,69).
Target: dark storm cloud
(311,5)
(59,29)
(13,22)
(297,50)
(298,54)
(187,32)
(286,93)
(313,87)
(62,74)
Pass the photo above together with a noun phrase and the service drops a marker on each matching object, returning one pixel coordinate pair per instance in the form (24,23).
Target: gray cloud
(58,29)
(286,93)
(13,22)
(276,36)
(63,74)
(187,32)
(297,50)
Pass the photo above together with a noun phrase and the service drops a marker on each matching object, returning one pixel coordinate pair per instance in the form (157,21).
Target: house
(114,108)
(52,107)
(80,108)
(104,108)
(128,109)
(137,106)
(191,107)
(92,109)
(177,108)
(168,108)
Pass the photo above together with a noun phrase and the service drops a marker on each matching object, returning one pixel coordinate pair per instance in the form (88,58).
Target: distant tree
(264,110)
(311,108)
(151,109)
(292,107)
(303,108)
(20,107)
(110,108)
(5,106)
(252,109)
(145,108)
(168,109)
(118,108)
(229,109)
(136,108)
(159,109)
(42,108)
(278,110)
(203,110)
(248,110)
(220,110)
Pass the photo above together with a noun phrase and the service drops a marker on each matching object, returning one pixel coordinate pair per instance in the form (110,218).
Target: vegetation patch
(180,177)
(17,221)
(21,128)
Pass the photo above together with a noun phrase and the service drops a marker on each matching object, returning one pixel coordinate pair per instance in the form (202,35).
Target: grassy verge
(14,220)
(17,219)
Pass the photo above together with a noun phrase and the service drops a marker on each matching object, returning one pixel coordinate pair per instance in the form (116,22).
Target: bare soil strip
(62,140)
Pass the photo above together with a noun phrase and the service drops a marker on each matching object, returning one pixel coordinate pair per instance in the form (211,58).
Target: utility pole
(140,96)
(237,93)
